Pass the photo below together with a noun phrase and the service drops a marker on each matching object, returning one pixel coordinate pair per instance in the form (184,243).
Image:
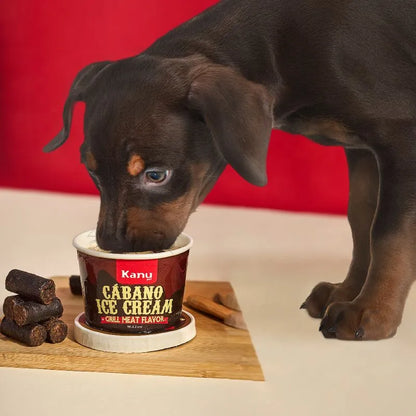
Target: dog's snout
(107,240)
(119,231)
(149,241)
(111,244)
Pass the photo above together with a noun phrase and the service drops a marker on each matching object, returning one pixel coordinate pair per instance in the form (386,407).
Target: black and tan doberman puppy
(160,127)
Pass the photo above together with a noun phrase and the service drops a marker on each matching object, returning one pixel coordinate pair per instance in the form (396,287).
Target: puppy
(160,127)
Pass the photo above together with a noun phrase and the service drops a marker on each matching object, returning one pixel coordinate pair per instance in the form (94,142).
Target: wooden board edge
(50,362)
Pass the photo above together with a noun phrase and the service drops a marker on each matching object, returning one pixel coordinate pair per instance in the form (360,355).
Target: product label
(137,320)
(133,296)
(131,301)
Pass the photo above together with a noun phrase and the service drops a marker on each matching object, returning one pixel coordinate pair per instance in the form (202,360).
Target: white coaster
(130,343)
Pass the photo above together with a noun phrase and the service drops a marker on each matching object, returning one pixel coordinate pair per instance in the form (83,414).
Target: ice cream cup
(139,293)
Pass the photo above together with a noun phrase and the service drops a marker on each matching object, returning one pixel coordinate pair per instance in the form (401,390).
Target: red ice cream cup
(138,293)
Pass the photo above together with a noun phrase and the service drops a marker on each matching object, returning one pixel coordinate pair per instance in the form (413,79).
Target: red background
(45,43)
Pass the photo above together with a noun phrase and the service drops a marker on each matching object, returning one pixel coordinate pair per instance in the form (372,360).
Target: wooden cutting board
(217,351)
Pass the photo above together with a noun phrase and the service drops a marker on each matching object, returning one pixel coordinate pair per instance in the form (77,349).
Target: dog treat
(57,330)
(28,312)
(32,335)
(9,304)
(75,284)
(31,286)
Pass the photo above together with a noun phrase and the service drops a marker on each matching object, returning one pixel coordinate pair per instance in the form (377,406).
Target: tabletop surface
(273,259)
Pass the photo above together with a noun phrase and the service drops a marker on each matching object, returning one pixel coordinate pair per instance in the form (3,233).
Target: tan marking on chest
(90,161)
(326,127)
(332,129)
(319,128)
(135,165)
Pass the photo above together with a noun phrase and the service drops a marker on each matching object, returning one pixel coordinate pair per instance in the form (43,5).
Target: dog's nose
(109,242)
(153,241)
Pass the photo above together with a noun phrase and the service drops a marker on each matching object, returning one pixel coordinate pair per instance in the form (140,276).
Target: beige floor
(273,259)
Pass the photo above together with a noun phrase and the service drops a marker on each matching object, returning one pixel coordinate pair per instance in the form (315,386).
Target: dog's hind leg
(364,182)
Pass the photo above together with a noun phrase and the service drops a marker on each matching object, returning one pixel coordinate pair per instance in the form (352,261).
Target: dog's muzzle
(133,242)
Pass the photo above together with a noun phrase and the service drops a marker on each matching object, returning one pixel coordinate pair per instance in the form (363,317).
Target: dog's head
(158,133)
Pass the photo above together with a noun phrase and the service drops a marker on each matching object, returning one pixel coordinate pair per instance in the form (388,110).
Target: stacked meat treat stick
(32,316)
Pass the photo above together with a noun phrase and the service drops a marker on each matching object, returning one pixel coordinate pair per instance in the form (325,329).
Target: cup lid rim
(84,242)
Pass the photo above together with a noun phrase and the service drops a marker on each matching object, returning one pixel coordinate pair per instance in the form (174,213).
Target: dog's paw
(354,321)
(324,294)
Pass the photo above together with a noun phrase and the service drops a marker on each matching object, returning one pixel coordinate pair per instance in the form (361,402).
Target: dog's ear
(239,114)
(76,93)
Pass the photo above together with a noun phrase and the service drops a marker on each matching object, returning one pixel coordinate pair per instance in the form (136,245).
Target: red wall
(45,43)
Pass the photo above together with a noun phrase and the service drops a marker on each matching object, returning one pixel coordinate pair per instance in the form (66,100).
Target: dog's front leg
(362,204)
(377,311)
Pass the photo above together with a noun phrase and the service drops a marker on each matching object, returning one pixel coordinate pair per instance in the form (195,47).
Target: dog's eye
(156,176)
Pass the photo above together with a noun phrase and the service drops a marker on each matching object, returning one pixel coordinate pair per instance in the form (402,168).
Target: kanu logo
(136,272)
(131,275)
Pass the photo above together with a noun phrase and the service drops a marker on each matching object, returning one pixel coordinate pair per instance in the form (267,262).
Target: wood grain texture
(217,351)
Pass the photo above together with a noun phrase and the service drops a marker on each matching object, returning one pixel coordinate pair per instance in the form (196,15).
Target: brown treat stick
(75,284)
(57,330)
(228,316)
(228,299)
(9,304)
(29,312)
(31,286)
(32,335)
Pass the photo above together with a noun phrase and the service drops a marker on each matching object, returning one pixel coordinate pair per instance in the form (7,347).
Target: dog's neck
(264,42)
(235,33)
